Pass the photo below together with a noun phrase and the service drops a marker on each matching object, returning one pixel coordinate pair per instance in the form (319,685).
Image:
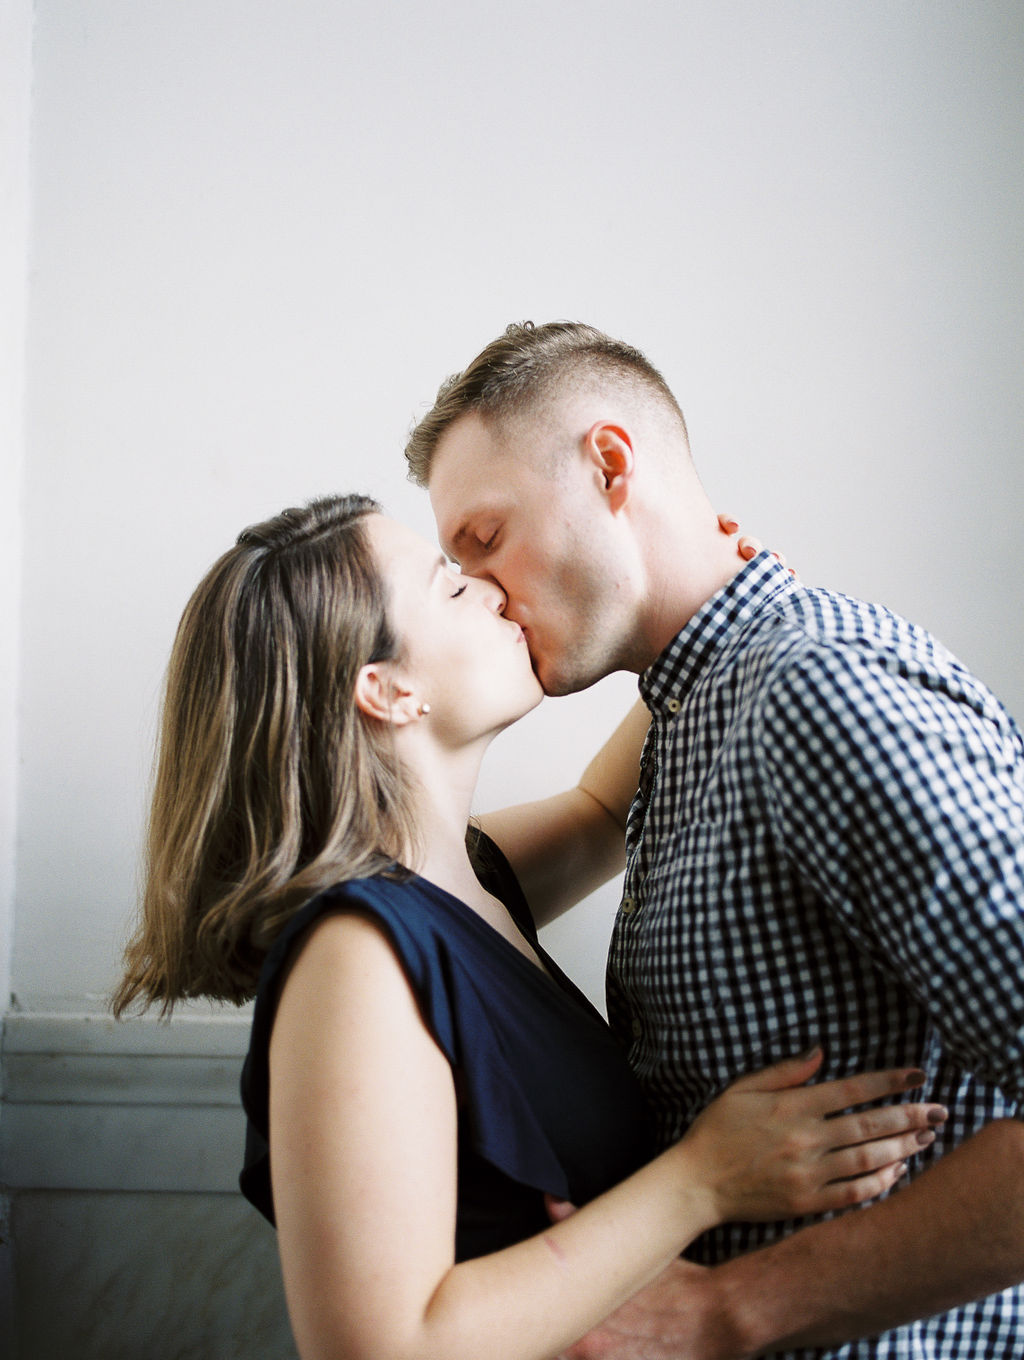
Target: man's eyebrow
(462,532)
(466,531)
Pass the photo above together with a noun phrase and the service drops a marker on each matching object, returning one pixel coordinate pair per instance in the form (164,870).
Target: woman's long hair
(270,784)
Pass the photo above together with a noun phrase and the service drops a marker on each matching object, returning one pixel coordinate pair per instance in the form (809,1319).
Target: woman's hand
(775,1148)
(746,545)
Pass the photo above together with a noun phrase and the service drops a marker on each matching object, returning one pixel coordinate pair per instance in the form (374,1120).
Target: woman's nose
(499,598)
(493,595)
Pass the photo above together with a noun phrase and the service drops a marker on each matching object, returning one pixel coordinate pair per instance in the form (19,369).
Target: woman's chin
(522,709)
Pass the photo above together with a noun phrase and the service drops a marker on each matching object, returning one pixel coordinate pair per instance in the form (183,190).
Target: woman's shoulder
(382,899)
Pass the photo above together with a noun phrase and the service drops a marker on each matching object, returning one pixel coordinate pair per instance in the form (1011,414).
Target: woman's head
(269,781)
(313,660)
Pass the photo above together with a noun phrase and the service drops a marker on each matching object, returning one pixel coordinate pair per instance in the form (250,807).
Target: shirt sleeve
(902,805)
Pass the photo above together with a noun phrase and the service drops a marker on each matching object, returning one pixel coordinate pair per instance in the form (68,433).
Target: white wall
(264,232)
(15,78)
(261,233)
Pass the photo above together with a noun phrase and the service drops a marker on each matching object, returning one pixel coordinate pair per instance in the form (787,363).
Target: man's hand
(955,1234)
(672,1319)
(669,1320)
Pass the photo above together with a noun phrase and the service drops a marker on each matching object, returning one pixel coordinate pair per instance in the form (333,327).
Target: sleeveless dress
(546,1100)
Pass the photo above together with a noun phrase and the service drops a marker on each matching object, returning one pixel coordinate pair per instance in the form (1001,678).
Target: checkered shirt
(827,847)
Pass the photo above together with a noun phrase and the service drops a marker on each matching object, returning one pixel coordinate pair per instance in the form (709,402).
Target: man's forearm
(955,1234)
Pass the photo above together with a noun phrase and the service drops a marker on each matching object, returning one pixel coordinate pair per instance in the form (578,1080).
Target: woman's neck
(446,785)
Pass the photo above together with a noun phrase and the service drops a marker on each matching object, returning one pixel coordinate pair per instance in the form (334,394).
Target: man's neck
(684,572)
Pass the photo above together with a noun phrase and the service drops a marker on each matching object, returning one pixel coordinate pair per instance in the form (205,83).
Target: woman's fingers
(843,1194)
(746,545)
(826,1100)
(790,1072)
(870,1125)
(847,1163)
(830,1096)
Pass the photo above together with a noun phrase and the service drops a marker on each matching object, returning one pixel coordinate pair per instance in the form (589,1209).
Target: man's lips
(524,636)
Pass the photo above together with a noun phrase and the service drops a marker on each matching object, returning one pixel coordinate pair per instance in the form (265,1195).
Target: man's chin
(557,677)
(556,684)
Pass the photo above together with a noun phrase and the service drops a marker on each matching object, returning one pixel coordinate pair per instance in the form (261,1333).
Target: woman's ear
(380,694)
(610,450)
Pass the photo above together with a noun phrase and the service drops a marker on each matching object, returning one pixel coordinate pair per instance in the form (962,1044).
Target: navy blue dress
(546,1100)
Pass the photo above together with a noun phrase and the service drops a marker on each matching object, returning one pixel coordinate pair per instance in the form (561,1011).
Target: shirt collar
(665,683)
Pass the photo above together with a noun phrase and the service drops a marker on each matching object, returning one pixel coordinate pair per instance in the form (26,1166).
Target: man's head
(526,371)
(558,465)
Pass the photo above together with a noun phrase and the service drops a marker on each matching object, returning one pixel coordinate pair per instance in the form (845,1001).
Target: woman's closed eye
(457,593)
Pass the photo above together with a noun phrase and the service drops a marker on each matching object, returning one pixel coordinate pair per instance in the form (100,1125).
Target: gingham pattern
(827,847)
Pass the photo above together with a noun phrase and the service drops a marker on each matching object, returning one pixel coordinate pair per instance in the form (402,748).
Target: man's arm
(954,1235)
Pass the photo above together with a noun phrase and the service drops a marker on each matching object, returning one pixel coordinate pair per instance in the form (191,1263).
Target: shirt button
(628,906)
(673,705)
(637,1029)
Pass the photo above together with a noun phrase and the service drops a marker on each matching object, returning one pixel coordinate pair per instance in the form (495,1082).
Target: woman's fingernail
(730,526)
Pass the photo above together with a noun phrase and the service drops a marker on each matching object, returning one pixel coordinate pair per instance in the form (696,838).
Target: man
(827,847)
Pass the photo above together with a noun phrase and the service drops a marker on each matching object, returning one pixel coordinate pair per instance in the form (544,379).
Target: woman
(421,1074)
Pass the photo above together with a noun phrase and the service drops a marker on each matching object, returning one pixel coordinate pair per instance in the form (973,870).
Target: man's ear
(609,448)
(380,694)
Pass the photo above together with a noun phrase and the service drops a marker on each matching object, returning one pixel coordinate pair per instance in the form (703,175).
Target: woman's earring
(423,710)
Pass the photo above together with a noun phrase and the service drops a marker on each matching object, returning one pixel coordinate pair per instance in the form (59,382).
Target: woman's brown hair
(270,784)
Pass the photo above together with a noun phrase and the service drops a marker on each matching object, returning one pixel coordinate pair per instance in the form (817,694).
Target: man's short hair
(526,368)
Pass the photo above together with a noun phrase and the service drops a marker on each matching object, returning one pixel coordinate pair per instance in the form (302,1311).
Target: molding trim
(90,1103)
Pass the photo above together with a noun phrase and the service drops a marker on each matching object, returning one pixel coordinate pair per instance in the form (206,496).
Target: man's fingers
(558,1209)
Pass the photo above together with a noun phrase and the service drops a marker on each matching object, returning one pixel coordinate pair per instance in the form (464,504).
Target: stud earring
(423,710)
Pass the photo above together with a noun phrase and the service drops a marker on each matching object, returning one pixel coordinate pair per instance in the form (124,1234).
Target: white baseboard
(90,1103)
